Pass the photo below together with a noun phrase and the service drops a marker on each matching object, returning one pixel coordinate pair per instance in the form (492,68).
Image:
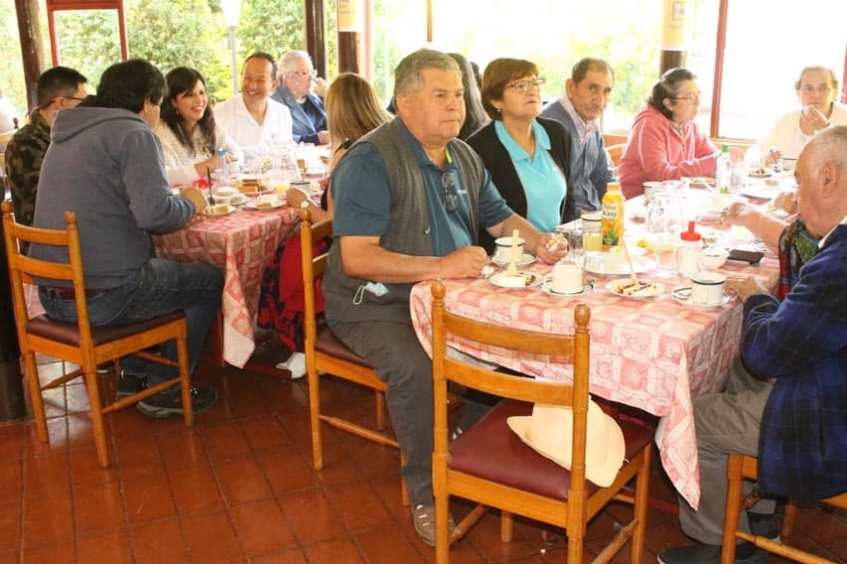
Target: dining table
(656,354)
(242,244)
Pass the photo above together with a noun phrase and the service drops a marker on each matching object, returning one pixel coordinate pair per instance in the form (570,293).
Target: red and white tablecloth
(243,245)
(653,354)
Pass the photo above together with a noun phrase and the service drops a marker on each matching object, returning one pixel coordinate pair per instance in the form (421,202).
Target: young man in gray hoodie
(105,164)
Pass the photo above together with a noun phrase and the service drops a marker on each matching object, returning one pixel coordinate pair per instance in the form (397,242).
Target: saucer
(525,260)
(522,279)
(219,210)
(682,296)
(265,206)
(547,288)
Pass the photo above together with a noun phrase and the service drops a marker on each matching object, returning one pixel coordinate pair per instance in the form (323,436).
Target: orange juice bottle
(612,216)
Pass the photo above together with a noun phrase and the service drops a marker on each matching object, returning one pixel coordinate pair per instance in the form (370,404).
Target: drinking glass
(664,251)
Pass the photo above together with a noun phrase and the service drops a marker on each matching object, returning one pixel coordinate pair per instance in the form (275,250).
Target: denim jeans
(158,288)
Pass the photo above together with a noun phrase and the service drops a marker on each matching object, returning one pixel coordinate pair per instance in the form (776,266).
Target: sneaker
(296,364)
(129,384)
(745,553)
(423,516)
(169,403)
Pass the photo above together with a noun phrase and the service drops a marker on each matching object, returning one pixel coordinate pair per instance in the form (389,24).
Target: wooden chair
(489,464)
(326,354)
(80,343)
(615,153)
(740,467)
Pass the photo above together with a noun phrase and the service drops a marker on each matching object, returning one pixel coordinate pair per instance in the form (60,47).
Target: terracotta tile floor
(239,487)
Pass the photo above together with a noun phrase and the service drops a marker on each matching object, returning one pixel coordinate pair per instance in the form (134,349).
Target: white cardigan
(786,135)
(180,160)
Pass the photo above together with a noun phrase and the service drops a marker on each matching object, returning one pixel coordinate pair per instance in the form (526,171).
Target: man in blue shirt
(580,110)
(409,200)
(295,91)
(789,404)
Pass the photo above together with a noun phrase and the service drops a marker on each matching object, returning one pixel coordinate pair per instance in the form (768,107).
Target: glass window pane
(88,41)
(768,43)
(399,27)
(702,26)
(11,71)
(555,35)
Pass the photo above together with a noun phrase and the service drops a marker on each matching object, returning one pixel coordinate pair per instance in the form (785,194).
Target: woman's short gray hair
(407,75)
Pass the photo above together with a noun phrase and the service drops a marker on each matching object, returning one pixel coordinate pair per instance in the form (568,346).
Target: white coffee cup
(567,278)
(503,252)
(707,288)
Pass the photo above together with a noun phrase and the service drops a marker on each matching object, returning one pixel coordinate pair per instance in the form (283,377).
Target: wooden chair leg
(733,507)
(642,497)
(31,375)
(97,416)
(789,518)
(185,379)
(507,526)
(576,537)
(442,510)
(315,414)
(380,410)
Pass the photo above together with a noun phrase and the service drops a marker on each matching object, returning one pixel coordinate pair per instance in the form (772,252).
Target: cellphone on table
(752,257)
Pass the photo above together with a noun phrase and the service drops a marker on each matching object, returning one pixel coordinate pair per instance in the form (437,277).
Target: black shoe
(745,553)
(764,525)
(169,403)
(129,384)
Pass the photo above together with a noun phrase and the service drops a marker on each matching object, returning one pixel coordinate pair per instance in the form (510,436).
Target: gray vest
(408,230)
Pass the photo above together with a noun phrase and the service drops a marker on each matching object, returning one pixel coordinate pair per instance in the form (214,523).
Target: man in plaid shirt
(787,404)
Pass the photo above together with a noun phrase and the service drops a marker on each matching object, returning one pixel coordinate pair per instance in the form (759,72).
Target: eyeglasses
(689,97)
(78,99)
(523,86)
(313,74)
(449,192)
(809,89)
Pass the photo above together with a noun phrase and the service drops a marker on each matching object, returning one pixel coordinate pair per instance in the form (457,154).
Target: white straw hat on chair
(549,431)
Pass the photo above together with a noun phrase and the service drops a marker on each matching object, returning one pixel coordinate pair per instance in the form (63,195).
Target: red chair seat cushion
(327,343)
(68,333)
(490,450)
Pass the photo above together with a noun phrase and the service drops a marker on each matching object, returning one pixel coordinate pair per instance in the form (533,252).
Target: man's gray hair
(286,63)
(830,145)
(407,75)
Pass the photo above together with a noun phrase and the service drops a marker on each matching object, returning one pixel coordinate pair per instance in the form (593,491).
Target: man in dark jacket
(788,405)
(296,75)
(105,163)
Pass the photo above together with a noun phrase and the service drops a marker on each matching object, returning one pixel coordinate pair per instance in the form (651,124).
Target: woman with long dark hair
(190,138)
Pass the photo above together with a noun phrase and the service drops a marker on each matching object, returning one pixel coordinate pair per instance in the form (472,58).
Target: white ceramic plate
(683,296)
(219,210)
(609,264)
(547,287)
(238,200)
(525,260)
(761,190)
(522,279)
(618,288)
(265,207)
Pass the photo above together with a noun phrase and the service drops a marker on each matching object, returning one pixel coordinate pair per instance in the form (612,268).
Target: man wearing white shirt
(252,118)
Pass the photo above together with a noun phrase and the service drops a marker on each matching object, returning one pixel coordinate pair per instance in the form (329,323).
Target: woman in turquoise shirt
(528,157)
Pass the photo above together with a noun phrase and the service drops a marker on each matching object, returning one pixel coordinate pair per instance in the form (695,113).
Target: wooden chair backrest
(313,267)
(24,269)
(615,153)
(571,348)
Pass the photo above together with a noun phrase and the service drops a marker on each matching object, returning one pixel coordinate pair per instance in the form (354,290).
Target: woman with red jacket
(665,143)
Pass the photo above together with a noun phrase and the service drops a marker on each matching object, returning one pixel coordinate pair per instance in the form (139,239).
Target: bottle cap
(690,235)
(613,187)
(725,149)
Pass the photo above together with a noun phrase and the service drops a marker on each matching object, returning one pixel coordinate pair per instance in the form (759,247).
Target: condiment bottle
(592,235)
(612,213)
(688,260)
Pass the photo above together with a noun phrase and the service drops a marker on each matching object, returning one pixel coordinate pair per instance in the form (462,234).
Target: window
(11,71)
(767,44)
(88,41)
(555,35)
(399,27)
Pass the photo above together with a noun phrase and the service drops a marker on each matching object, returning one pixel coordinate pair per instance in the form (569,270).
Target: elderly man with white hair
(788,405)
(296,75)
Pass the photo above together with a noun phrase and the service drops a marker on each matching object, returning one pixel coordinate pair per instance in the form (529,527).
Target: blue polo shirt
(542,181)
(362,198)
